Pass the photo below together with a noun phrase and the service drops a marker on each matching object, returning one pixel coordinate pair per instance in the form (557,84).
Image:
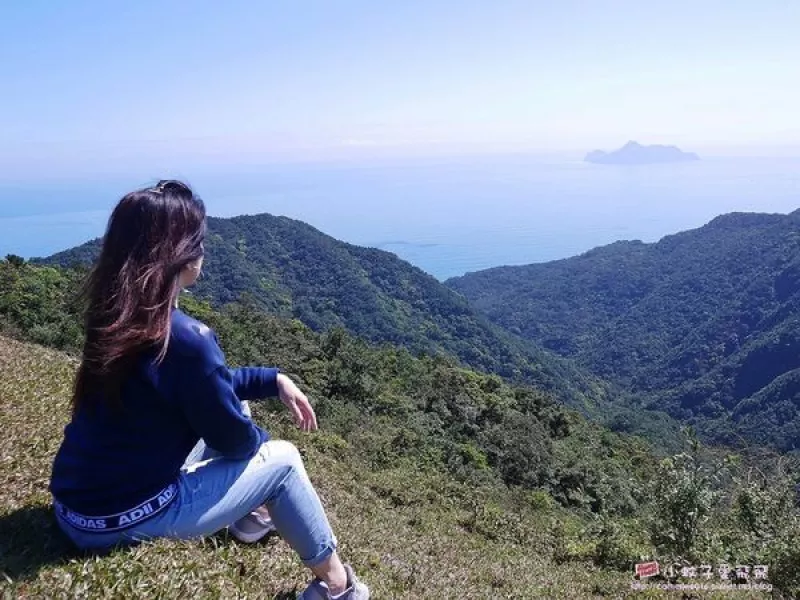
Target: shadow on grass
(31,540)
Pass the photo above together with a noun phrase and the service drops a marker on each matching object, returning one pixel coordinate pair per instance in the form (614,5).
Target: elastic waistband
(129,518)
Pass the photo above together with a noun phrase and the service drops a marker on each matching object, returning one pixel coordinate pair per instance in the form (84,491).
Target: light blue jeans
(214,492)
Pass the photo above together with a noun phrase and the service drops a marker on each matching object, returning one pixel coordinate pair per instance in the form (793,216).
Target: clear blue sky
(94,83)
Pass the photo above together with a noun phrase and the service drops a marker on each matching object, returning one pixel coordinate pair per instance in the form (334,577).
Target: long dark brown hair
(152,235)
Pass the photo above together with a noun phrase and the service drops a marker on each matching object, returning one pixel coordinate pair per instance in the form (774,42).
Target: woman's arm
(214,412)
(255,383)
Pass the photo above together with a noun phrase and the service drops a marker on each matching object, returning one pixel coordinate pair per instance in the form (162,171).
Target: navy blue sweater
(115,457)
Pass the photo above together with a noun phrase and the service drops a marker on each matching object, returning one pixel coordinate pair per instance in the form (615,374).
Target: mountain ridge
(291,269)
(691,322)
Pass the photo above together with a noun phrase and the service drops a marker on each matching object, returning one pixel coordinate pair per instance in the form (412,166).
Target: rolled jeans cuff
(322,555)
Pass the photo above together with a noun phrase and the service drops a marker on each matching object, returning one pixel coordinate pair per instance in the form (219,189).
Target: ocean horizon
(448,217)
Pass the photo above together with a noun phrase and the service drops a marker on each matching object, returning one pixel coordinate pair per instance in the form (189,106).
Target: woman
(160,444)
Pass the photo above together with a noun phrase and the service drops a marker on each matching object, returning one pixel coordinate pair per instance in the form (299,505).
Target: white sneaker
(252,527)
(356,590)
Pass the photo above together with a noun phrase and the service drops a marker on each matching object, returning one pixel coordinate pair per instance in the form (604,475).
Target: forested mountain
(703,324)
(293,270)
(418,459)
(414,453)
(397,408)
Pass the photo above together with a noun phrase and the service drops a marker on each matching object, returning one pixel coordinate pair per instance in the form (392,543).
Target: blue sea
(446,216)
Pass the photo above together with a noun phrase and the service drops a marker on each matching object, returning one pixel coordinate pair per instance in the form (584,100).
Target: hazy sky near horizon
(95,84)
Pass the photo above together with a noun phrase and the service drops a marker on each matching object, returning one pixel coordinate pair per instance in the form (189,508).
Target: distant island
(634,153)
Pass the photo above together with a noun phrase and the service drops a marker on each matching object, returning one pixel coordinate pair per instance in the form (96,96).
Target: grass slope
(410,535)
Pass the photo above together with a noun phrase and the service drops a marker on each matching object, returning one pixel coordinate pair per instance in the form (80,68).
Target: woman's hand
(297,403)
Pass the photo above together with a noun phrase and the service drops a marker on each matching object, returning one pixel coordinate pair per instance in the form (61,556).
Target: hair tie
(159,187)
